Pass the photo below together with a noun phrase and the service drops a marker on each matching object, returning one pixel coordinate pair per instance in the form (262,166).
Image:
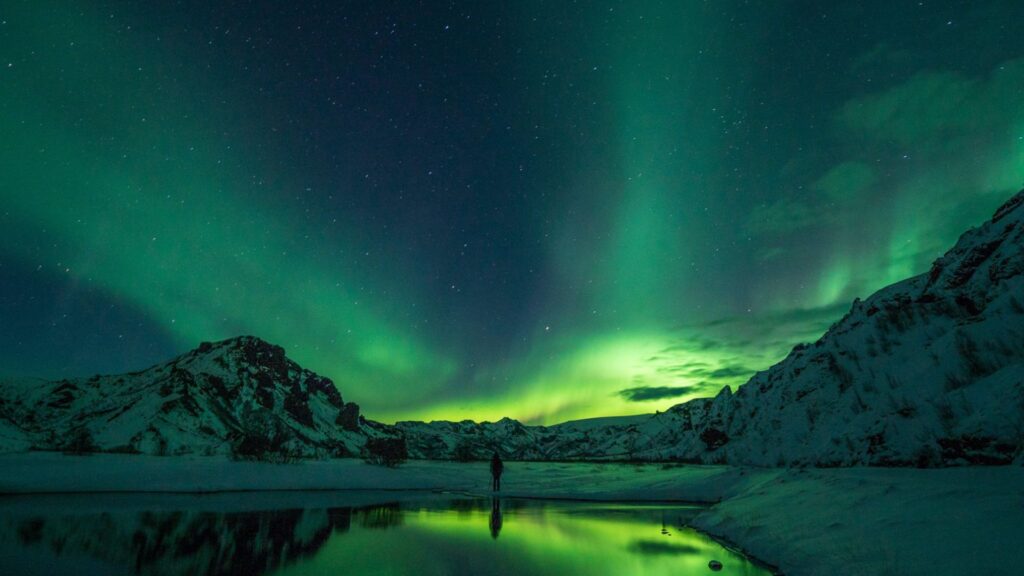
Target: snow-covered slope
(241,396)
(928,371)
(12,438)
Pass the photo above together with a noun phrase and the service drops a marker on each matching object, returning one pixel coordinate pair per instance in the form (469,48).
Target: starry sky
(543,210)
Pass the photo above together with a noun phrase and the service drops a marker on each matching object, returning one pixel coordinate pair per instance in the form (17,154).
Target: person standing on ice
(496,468)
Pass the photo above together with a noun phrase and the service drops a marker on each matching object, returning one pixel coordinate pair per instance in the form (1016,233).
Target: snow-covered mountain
(616,438)
(928,371)
(241,396)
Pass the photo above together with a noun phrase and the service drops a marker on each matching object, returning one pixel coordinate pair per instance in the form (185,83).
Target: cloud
(846,182)
(733,371)
(781,216)
(734,332)
(650,393)
(770,253)
(742,344)
(946,120)
(724,371)
(937,107)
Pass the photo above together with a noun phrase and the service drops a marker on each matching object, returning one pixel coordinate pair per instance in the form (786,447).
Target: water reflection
(432,536)
(495,518)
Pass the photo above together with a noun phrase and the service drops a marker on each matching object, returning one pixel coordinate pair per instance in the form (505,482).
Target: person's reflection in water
(495,518)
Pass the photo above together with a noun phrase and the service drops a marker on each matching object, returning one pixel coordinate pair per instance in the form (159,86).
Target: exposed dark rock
(1009,206)
(296,403)
(324,386)
(388,452)
(714,438)
(265,397)
(969,264)
(348,417)
(63,395)
(876,442)
(977,450)
(261,354)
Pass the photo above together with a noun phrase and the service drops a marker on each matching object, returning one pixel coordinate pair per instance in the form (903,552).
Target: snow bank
(864,521)
(51,472)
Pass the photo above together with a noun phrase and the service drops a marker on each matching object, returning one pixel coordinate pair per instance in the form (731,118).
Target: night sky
(542,210)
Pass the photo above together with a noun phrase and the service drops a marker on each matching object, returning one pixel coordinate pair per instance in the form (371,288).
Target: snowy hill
(928,372)
(241,396)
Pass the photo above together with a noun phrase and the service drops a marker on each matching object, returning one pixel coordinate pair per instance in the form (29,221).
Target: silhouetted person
(496,469)
(495,518)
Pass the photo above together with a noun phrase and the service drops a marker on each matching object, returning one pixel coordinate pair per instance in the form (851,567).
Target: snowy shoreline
(803,521)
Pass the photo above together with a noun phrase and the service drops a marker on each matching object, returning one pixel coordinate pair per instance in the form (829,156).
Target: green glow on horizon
(566,382)
(568,385)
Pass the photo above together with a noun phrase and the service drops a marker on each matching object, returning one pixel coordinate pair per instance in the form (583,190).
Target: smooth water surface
(331,533)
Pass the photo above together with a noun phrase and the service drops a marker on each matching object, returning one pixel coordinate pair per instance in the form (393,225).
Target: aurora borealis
(542,210)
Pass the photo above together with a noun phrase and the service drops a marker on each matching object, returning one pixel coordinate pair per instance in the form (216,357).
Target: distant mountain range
(926,372)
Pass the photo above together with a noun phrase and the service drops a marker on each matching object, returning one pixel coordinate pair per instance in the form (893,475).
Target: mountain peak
(239,343)
(244,350)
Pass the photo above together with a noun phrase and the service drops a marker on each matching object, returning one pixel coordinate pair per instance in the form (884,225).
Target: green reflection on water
(522,537)
(350,533)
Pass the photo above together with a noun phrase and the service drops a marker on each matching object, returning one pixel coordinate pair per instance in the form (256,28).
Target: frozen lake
(352,533)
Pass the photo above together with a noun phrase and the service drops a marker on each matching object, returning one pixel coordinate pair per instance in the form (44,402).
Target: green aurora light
(699,212)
